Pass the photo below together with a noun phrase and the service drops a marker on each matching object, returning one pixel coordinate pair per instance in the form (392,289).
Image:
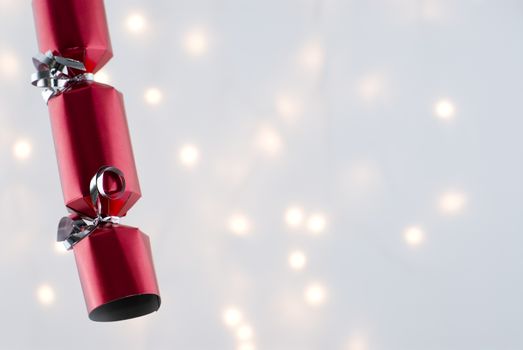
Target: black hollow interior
(126,308)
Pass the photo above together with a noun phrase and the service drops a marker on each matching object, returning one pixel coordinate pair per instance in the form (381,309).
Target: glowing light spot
(9,65)
(452,202)
(297,260)
(153,96)
(59,248)
(371,87)
(22,149)
(246,346)
(244,332)
(312,56)
(189,155)
(363,177)
(9,4)
(444,109)
(294,216)
(315,294)
(45,294)
(102,77)
(239,224)
(413,236)
(288,108)
(269,141)
(357,342)
(232,317)
(317,223)
(195,42)
(432,10)
(136,23)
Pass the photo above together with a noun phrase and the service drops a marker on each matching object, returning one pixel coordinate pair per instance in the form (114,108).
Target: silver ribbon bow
(70,231)
(54,74)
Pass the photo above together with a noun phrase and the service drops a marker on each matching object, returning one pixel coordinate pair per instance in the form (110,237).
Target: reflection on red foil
(90,131)
(74,29)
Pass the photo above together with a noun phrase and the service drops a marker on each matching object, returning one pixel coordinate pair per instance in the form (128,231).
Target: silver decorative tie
(54,74)
(71,231)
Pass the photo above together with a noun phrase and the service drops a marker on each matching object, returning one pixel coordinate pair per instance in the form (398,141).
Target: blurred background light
(102,76)
(316,223)
(153,96)
(244,332)
(297,260)
(414,236)
(312,56)
(444,109)
(289,108)
(59,248)
(22,149)
(195,42)
(371,87)
(358,341)
(294,216)
(232,317)
(189,155)
(239,224)
(269,141)
(246,346)
(135,23)
(315,294)
(45,294)
(452,202)
(9,65)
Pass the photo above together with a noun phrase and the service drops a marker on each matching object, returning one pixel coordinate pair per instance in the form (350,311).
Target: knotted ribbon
(55,74)
(71,231)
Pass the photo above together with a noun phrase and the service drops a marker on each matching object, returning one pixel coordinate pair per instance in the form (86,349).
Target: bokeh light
(102,76)
(244,332)
(316,223)
(232,317)
(195,42)
(45,294)
(294,216)
(452,202)
(246,346)
(153,96)
(444,109)
(9,5)
(269,141)
(312,56)
(371,87)
(135,23)
(59,248)
(414,235)
(9,65)
(315,294)
(297,260)
(22,149)
(189,155)
(239,224)
(357,341)
(289,108)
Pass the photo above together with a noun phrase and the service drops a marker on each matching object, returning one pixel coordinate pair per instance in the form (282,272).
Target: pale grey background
(366,149)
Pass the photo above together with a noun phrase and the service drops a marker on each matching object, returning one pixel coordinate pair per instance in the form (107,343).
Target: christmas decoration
(95,159)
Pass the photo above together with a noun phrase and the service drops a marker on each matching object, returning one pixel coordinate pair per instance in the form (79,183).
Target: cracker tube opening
(117,273)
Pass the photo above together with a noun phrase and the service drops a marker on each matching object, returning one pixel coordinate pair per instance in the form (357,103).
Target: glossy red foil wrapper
(117,273)
(90,131)
(74,29)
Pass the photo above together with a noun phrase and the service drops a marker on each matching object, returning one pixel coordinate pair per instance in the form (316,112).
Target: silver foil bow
(54,74)
(71,231)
